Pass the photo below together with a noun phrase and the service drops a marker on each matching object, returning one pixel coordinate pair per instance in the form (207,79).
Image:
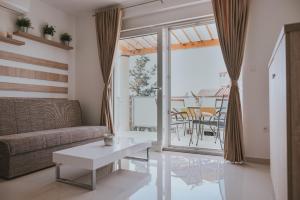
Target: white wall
(39,14)
(196,69)
(266,18)
(89,82)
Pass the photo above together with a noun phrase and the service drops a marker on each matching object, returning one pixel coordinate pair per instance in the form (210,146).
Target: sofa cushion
(7,118)
(62,114)
(33,141)
(22,115)
(35,115)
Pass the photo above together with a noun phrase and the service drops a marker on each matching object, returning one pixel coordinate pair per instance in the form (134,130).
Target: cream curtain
(108,26)
(231,21)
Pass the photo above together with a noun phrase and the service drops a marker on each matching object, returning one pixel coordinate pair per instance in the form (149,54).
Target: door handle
(273,76)
(156,88)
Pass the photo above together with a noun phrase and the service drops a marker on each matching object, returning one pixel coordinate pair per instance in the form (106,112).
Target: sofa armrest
(4,159)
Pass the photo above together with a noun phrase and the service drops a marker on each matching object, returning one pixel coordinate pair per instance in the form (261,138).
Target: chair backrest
(197,98)
(21,115)
(194,112)
(177,104)
(221,105)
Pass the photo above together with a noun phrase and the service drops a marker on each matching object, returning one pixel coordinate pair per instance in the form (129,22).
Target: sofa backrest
(21,115)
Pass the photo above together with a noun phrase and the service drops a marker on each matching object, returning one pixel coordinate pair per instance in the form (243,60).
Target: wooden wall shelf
(11,41)
(42,40)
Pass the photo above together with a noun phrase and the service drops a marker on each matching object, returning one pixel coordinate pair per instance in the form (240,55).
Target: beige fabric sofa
(31,129)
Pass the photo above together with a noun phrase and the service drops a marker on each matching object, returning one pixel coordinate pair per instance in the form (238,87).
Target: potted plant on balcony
(66,38)
(48,32)
(23,24)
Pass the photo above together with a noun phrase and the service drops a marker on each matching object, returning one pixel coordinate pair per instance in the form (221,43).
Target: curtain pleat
(231,21)
(108,26)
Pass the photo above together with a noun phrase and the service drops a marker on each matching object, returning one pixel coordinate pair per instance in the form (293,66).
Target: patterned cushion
(62,114)
(22,108)
(21,115)
(33,141)
(37,115)
(7,118)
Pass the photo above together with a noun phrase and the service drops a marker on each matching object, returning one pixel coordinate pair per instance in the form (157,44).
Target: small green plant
(48,30)
(65,37)
(23,22)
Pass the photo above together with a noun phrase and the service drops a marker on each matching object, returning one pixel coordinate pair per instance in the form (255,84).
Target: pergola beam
(197,33)
(209,32)
(128,44)
(186,35)
(176,37)
(138,43)
(149,43)
(189,45)
(154,38)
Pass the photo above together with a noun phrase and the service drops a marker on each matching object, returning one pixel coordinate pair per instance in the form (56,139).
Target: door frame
(164,72)
(157,146)
(171,27)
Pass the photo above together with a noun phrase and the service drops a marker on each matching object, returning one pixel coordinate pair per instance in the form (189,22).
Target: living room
(149,99)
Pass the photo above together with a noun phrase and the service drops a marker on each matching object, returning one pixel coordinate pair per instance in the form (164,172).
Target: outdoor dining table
(197,114)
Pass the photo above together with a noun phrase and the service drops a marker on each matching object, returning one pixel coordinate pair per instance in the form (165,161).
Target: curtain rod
(140,4)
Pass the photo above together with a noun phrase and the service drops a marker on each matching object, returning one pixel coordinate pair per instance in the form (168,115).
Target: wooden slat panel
(32,88)
(31,74)
(32,60)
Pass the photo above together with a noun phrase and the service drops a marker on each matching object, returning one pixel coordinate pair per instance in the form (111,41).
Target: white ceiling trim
(157,7)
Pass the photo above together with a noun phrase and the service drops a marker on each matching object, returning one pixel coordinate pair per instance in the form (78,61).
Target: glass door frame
(168,145)
(143,32)
(163,73)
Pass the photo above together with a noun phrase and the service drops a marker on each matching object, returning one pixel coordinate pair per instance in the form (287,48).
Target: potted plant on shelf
(23,24)
(48,32)
(66,38)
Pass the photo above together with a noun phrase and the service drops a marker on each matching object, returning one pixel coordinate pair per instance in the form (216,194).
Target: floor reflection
(181,176)
(167,176)
(189,176)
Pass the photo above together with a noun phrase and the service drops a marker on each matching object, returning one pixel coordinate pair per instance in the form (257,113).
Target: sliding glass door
(171,86)
(135,88)
(199,87)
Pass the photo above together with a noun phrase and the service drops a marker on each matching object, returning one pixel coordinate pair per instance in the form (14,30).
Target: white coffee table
(95,155)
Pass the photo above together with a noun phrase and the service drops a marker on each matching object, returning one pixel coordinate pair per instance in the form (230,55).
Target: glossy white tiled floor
(167,176)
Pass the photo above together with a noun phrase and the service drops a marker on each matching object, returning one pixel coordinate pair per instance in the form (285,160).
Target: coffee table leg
(71,182)
(148,154)
(57,171)
(139,159)
(119,164)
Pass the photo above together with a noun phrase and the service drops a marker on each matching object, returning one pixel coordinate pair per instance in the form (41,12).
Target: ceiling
(76,6)
(181,38)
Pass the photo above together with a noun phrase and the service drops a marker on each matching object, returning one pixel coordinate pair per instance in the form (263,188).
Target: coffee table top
(95,155)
